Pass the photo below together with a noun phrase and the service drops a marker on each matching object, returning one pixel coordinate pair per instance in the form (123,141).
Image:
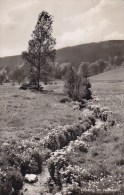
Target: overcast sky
(75,22)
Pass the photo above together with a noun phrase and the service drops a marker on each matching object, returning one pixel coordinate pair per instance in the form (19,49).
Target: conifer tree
(41,50)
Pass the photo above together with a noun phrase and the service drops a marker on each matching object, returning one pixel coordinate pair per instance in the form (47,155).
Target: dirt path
(38,188)
(41,187)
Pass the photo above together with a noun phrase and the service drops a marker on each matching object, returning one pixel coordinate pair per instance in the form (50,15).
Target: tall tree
(40,48)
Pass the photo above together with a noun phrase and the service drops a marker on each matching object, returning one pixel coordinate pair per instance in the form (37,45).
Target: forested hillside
(12,62)
(89,52)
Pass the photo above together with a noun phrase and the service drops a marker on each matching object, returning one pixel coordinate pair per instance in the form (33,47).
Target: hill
(109,76)
(89,52)
(10,61)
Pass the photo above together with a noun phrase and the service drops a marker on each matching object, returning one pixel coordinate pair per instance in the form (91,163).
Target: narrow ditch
(41,186)
(38,188)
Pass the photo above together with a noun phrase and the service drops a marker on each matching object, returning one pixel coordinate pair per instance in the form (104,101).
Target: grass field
(25,115)
(108,149)
(109,89)
(116,75)
(112,96)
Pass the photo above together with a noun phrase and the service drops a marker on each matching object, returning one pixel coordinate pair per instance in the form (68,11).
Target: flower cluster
(20,157)
(61,137)
(101,112)
(65,175)
(26,156)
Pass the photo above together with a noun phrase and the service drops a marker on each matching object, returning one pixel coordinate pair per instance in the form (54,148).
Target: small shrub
(5,185)
(39,160)
(26,156)
(16,180)
(62,140)
(81,146)
(77,88)
(32,163)
(55,163)
(92,119)
(61,172)
(10,179)
(51,185)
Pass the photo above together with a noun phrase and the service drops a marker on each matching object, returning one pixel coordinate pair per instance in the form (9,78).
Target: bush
(32,165)
(30,86)
(64,175)
(10,179)
(77,87)
(59,138)
(55,163)
(16,180)
(102,113)
(61,172)
(26,156)
(5,185)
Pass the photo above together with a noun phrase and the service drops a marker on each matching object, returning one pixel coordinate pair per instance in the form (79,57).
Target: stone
(31,178)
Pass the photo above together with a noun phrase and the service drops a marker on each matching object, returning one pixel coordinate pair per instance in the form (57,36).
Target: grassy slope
(108,149)
(106,154)
(110,76)
(109,89)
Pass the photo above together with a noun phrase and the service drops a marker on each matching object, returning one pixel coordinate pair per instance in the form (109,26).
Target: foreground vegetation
(27,117)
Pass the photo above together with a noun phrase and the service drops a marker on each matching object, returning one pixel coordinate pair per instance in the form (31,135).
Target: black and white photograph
(61,97)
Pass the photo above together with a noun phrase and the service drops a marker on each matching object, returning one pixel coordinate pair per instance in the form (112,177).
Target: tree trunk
(38,78)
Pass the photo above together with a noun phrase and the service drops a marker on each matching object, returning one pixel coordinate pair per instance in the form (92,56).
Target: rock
(31,178)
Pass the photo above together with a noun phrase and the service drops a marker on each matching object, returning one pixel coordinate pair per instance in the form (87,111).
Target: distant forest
(90,58)
(91,52)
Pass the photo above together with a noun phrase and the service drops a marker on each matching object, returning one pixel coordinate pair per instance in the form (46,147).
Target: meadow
(28,117)
(107,151)
(112,96)
(24,114)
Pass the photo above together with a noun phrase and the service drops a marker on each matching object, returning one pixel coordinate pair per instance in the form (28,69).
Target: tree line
(39,63)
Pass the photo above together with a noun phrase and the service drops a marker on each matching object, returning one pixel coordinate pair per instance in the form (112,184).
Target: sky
(74,22)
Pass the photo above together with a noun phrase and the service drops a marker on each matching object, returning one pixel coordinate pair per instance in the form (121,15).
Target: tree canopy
(41,50)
